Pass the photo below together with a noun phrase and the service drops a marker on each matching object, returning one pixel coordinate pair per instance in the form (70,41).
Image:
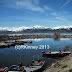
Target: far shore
(15,37)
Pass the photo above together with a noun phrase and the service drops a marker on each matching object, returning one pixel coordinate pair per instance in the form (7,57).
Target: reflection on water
(35,34)
(9,56)
(28,34)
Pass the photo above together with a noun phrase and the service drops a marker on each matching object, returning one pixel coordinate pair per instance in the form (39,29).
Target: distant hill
(35,29)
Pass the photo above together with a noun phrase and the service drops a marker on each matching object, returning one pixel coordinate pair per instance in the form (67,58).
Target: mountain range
(36,28)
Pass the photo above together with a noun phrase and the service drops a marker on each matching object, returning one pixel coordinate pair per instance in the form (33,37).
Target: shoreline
(15,37)
(62,65)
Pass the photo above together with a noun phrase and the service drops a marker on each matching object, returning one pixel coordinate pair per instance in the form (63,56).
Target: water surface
(9,56)
(35,34)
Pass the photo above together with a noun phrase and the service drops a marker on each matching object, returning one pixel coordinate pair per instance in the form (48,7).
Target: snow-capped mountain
(62,27)
(34,28)
(37,27)
(20,28)
(13,29)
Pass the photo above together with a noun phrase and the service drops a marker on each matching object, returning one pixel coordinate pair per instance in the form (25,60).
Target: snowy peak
(34,27)
(62,27)
(13,29)
(38,27)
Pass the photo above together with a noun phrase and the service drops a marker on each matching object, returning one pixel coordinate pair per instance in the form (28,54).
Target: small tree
(56,35)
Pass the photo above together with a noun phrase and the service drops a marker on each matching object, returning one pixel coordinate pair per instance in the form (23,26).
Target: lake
(36,34)
(14,55)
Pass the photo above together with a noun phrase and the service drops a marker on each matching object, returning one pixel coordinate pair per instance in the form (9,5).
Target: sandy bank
(63,65)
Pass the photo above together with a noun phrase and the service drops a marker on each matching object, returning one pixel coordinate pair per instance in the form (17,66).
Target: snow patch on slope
(34,27)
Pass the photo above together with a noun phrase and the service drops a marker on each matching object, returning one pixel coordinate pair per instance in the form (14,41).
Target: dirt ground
(63,65)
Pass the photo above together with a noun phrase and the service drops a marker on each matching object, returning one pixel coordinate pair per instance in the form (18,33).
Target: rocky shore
(62,65)
(15,37)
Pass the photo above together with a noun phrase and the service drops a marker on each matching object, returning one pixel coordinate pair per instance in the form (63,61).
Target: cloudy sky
(47,13)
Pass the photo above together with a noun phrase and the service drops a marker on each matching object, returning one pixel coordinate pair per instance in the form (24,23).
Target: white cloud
(33,5)
(48,8)
(60,18)
(66,3)
(36,2)
(28,4)
(54,14)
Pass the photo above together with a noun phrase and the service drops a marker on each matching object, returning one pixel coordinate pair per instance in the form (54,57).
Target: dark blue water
(9,56)
(36,34)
